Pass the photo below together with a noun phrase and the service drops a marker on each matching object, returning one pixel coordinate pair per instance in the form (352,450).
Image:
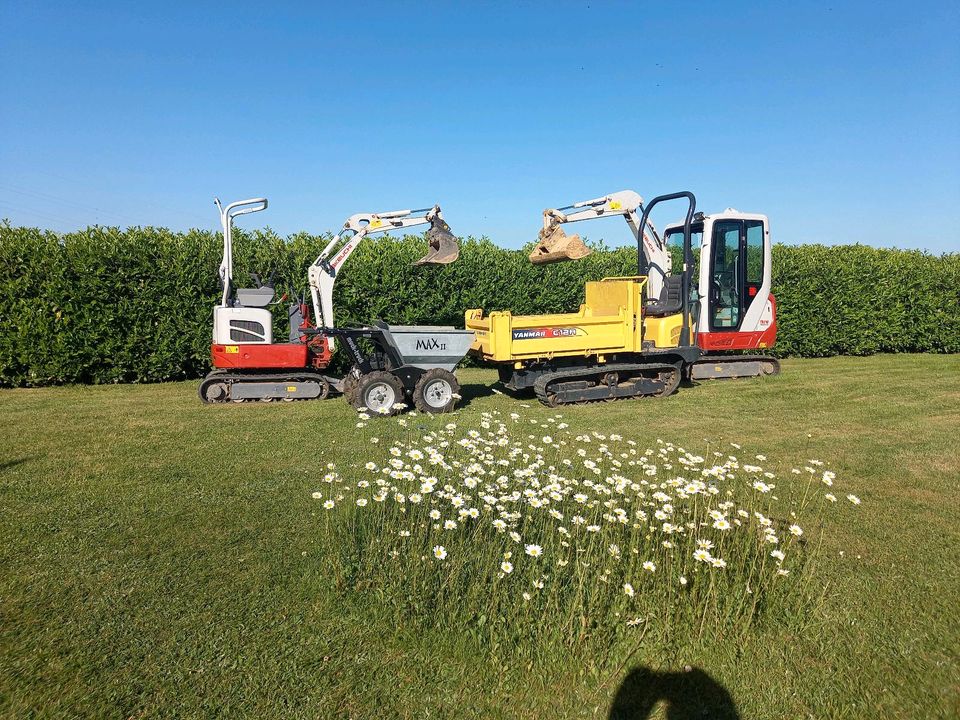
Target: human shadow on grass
(7,464)
(686,695)
(474,391)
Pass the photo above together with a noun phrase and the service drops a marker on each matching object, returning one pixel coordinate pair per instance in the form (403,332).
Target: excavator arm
(323,272)
(556,246)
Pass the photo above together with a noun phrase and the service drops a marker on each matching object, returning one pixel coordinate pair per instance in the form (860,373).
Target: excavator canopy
(443,245)
(554,245)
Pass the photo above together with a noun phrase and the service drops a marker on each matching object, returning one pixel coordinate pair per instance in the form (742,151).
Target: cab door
(736,273)
(737,311)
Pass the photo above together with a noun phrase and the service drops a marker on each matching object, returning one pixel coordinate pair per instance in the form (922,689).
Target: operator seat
(260,296)
(255,297)
(671,298)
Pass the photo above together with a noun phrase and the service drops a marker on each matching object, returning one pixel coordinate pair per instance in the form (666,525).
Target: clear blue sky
(841,121)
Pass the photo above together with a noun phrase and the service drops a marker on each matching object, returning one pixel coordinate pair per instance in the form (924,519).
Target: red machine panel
(265,356)
(741,339)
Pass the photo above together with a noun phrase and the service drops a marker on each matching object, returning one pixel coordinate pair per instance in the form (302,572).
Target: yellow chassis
(610,321)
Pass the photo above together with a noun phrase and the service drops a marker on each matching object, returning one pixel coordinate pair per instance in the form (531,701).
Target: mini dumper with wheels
(397,365)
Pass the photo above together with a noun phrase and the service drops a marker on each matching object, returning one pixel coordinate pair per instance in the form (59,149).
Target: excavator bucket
(443,245)
(556,246)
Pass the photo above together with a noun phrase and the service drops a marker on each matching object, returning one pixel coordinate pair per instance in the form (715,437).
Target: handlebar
(232,210)
(687,254)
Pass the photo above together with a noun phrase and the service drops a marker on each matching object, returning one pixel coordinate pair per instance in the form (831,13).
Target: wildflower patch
(524,528)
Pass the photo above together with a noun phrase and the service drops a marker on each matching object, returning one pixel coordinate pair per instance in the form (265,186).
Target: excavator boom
(323,272)
(554,245)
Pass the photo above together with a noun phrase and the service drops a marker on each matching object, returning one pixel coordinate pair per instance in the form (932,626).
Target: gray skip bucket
(429,346)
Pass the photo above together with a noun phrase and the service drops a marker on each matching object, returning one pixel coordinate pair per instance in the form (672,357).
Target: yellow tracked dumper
(618,345)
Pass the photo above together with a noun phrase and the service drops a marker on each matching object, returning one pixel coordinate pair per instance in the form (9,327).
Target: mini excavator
(639,336)
(249,365)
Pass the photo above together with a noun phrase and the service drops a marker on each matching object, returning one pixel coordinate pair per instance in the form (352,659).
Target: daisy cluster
(526,506)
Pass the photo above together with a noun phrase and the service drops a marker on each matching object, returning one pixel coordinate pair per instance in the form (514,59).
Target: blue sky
(838,120)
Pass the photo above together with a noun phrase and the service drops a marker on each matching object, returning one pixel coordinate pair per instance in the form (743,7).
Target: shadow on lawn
(469,393)
(686,695)
(7,464)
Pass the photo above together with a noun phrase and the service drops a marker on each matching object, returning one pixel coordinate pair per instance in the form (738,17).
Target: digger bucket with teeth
(443,245)
(556,246)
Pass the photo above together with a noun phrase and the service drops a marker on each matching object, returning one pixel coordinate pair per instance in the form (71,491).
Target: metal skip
(443,245)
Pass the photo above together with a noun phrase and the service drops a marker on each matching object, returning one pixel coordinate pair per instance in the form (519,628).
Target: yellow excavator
(639,336)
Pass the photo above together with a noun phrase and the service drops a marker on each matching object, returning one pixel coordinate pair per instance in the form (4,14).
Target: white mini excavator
(733,309)
(407,362)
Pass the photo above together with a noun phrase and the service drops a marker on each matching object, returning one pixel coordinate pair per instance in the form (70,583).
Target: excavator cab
(443,245)
(737,310)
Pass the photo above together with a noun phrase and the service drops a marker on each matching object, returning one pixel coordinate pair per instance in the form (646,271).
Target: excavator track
(221,386)
(715,367)
(607,382)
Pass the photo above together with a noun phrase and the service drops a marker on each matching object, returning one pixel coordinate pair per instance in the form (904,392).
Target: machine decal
(540,333)
(431,344)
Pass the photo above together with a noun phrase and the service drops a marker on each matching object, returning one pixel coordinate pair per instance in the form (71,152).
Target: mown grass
(161,558)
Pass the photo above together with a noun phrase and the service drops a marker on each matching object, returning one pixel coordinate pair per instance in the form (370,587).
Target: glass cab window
(725,285)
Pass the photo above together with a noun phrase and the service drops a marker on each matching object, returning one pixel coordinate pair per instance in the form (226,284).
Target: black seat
(671,298)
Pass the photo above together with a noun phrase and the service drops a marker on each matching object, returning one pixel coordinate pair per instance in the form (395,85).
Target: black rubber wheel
(350,383)
(378,393)
(436,391)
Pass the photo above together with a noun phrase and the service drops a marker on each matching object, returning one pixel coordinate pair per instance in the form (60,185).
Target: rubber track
(231,378)
(540,386)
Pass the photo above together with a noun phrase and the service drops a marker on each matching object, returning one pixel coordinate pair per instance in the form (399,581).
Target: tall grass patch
(532,535)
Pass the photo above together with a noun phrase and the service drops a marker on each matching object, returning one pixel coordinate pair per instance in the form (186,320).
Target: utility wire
(63,201)
(127,219)
(39,213)
(206,220)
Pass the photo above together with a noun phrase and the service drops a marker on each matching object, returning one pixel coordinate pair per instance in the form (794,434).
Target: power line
(63,201)
(39,213)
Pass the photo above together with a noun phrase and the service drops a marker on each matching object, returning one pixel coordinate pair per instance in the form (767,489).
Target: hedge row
(108,305)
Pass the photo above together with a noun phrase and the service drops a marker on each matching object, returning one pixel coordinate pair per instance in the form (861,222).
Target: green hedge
(108,305)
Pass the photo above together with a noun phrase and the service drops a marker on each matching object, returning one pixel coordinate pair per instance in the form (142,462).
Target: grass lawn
(160,558)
